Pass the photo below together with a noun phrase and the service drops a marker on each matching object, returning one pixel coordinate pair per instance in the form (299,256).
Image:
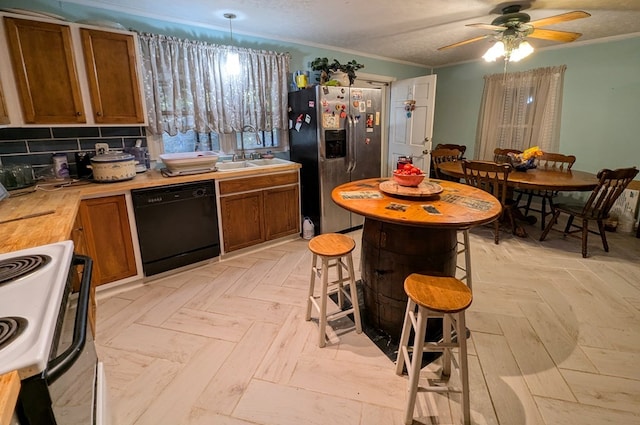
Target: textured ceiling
(408,31)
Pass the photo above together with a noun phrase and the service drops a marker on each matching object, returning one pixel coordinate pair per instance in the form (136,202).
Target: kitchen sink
(231,166)
(251,163)
(268,161)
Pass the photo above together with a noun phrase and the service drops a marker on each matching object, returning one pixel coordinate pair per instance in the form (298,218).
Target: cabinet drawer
(258,182)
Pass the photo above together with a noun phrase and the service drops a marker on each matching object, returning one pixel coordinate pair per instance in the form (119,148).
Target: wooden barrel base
(391,252)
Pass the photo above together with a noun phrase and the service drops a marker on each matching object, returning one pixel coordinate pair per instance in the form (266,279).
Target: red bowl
(408,180)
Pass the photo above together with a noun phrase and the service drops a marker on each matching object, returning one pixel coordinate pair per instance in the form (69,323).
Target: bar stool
(435,296)
(333,249)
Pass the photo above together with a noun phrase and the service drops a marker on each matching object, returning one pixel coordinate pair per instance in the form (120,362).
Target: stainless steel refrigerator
(335,133)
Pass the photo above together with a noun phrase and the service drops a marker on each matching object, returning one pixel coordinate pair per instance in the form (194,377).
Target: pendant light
(233,59)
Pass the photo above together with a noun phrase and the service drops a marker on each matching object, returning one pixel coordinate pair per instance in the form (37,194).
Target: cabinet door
(281,212)
(80,247)
(108,237)
(4,114)
(43,63)
(110,60)
(242,220)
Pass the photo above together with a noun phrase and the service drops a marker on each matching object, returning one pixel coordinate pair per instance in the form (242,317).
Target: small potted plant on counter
(331,71)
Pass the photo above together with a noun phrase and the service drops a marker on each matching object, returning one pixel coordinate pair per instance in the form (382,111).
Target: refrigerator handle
(349,149)
(351,144)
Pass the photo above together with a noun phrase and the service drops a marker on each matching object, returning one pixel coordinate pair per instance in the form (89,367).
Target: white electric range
(44,335)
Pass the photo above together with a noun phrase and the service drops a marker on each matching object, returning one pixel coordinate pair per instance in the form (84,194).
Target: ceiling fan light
(494,52)
(522,51)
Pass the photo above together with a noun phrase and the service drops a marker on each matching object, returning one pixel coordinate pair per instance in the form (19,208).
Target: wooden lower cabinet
(80,247)
(107,234)
(259,209)
(281,211)
(242,220)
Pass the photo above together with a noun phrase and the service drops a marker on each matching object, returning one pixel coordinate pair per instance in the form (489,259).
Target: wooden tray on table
(424,189)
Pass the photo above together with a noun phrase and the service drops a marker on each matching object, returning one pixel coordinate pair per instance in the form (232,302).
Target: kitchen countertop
(47,216)
(59,205)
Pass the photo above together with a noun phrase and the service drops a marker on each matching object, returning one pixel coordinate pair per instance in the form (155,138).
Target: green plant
(349,68)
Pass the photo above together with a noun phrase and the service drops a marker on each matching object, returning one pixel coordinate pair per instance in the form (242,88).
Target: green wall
(601,102)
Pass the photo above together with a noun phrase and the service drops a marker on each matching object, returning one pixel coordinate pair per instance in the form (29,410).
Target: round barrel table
(408,231)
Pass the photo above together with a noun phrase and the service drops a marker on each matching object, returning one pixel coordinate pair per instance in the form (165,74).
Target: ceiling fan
(512,27)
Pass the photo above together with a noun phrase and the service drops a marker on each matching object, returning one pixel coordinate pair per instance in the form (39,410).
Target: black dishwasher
(177,225)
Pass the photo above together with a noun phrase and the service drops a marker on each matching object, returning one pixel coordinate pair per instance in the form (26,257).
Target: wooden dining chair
(492,177)
(461,148)
(547,161)
(611,184)
(501,156)
(438,156)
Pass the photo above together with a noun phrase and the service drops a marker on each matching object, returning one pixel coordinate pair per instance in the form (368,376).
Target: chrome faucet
(251,128)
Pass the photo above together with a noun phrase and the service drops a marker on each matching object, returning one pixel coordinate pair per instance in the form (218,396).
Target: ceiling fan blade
(564,17)
(564,36)
(487,27)
(462,43)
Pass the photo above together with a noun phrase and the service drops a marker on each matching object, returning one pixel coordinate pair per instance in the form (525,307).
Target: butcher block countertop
(46,216)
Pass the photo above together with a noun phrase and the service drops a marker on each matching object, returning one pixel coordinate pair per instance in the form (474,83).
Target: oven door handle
(64,361)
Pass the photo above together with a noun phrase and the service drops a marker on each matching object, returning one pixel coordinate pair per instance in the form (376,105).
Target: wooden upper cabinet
(110,60)
(43,63)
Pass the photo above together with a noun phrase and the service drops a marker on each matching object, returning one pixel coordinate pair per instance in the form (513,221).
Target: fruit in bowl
(408,175)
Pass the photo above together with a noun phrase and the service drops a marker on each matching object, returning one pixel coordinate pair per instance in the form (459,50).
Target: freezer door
(303,144)
(333,155)
(366,106)
(332,218)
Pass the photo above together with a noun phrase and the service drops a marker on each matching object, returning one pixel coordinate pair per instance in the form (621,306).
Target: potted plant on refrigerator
(331,71)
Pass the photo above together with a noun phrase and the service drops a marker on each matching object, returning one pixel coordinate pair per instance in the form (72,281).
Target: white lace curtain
(520,110)
(192,85)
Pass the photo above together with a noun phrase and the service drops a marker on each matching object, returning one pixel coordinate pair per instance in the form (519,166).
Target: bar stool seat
(334,250)
(435,296)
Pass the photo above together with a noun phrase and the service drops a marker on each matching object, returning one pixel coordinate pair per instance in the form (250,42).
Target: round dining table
(536,178)
(408,230)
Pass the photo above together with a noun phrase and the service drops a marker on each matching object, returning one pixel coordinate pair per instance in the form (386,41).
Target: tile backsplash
(36,145)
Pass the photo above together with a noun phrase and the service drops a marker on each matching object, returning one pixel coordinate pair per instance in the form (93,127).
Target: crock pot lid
(113,157)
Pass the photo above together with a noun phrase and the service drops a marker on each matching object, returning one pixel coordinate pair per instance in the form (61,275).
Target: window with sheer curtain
(201,96)
(520,110)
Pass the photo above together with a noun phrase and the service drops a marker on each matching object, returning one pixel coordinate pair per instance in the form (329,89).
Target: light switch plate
(102,148)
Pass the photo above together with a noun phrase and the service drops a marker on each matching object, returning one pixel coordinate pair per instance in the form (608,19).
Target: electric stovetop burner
(13,268)
(10,329)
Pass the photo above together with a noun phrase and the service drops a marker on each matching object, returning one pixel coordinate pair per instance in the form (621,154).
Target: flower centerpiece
(327,69)
(525,160)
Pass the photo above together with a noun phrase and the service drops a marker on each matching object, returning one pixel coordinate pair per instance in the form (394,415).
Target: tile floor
(555,340)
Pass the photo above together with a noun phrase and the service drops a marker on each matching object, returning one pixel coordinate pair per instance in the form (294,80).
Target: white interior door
(410,132)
